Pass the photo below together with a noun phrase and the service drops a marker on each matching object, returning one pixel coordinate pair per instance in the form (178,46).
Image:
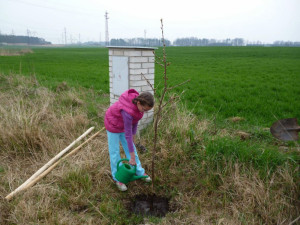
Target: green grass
(257,83)
(79,67)
(255,154)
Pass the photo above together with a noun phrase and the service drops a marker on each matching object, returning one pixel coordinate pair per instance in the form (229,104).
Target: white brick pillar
(131,68)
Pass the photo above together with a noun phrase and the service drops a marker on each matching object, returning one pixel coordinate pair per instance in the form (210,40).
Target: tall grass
(27,110)
(220,178)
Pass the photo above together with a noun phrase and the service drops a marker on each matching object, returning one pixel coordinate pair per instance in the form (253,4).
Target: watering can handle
(118,164)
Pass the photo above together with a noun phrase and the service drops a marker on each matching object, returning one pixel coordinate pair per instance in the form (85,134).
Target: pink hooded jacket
(113,120)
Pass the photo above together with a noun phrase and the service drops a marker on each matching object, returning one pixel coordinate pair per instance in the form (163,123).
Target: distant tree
(193,41)
(12,39)
(138,42)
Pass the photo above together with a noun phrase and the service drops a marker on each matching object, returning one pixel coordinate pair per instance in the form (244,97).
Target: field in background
(259,84)
(79,67)
(251,82)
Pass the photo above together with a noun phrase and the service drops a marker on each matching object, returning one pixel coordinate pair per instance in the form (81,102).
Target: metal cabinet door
(120,74)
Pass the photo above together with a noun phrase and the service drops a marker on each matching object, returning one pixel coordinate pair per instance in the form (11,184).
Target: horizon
(83,21)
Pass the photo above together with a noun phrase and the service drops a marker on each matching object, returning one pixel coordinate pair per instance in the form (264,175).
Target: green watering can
(126,173)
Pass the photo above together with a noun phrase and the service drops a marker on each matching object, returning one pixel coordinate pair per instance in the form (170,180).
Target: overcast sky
(253,20)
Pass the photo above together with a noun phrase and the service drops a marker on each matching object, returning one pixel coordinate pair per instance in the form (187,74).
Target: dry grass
(35,126)
(37,123)
(232,194)
(14,52)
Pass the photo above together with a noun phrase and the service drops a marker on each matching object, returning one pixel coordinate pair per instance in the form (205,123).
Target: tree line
(194,41)
(151,42)
(14,39)
(138,42)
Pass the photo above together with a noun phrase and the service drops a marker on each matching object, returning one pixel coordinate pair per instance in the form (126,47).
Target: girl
(121,120)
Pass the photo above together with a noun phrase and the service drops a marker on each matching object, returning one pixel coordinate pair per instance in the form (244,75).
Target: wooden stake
(47,165)
(55,164)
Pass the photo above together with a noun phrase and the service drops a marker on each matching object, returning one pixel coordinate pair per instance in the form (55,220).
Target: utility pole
(28,36)
(65,36)
(145,34)
(106,28)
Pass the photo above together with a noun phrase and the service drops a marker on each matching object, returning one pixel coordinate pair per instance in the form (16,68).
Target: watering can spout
(137,177)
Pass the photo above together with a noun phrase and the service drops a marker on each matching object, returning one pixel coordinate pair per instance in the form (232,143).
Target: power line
(53,8)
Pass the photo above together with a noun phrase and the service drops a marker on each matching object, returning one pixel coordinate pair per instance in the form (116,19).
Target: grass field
(259,84)
(213,170)
(255,83)
(84,67)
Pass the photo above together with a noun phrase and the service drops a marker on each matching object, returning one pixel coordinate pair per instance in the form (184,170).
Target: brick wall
(140,73)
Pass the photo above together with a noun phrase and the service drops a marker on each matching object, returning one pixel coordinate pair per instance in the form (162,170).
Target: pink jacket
(113,120)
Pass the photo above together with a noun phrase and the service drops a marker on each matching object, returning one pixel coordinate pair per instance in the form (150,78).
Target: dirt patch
(6,52)
(150,205)
(243,135)
(236,119)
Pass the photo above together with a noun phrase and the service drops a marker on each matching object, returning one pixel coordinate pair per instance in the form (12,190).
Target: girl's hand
(132,159)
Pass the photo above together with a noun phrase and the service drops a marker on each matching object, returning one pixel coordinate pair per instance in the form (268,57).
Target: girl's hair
(145,98)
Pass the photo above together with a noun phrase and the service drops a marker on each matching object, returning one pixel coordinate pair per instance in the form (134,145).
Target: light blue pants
(114,140)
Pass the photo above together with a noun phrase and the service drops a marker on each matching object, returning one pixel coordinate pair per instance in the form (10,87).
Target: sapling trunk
(157,116)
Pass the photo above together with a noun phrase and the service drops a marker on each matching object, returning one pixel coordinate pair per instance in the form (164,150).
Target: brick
(150,70)
(138,83)
(138,59)
(133,53)
(118,53)
(138,71)
(148,65)
(151,59)
(135,77)
(151,111)
(148,114)
(148,53)
(146,88)
(145,122)
(135,65)
(148,76)
(149,120)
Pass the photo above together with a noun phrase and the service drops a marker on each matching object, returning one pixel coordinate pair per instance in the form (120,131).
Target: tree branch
(170,88)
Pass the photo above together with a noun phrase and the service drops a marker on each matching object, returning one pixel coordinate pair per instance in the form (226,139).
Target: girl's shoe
(121,186)
(147,179)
